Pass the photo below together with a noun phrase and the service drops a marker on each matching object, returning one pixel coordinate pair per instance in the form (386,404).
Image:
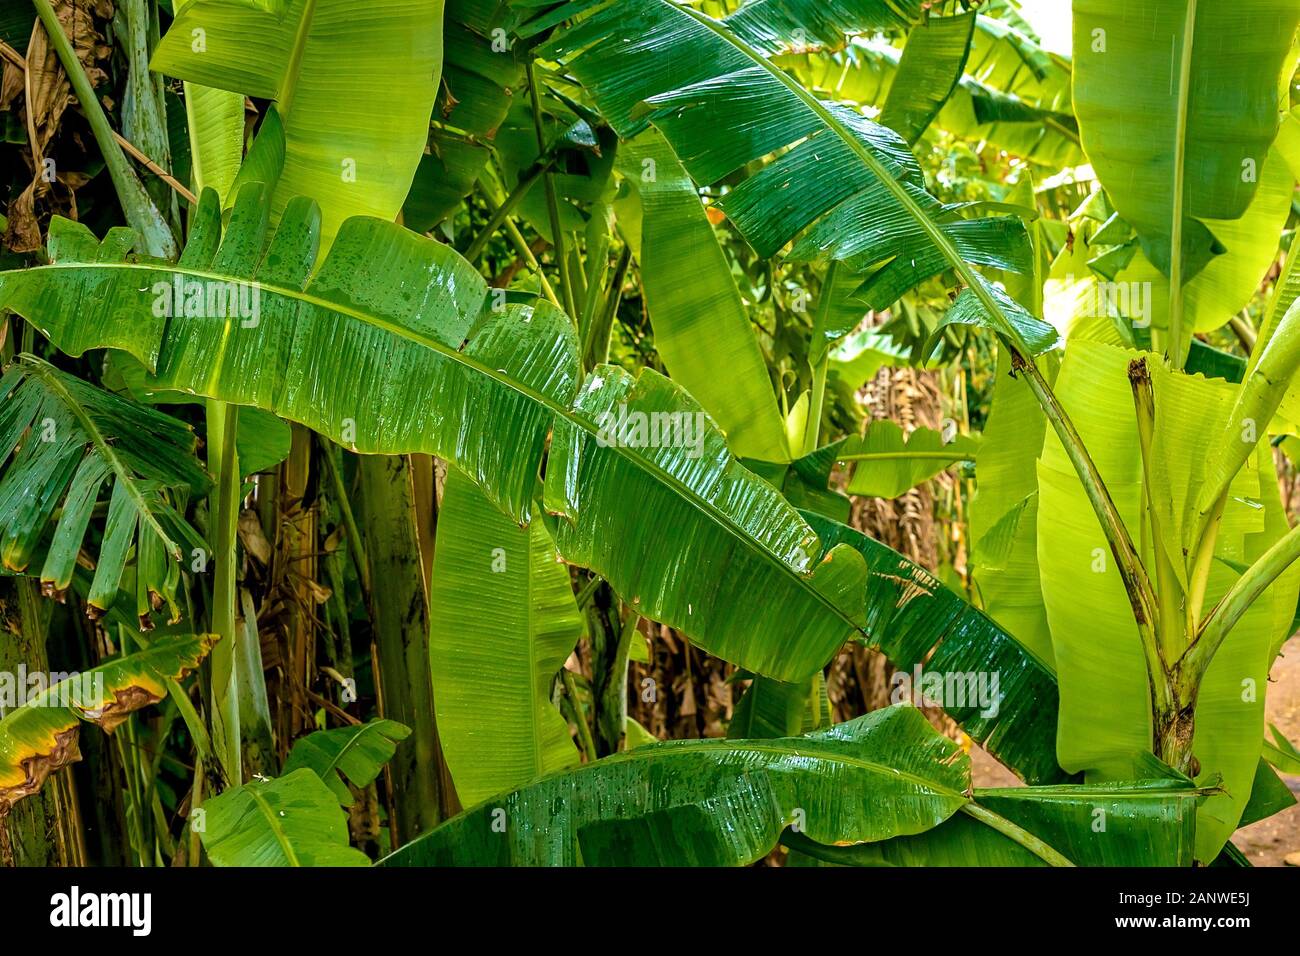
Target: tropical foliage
(427,391)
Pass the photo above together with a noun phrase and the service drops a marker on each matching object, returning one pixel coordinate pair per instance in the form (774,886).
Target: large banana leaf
(852,184)
(67,440)
(914,620)
(328,75)
(702,329)
(356,754)
(502,621)
(1147,823)
(715,802)
(1199,111)
(294,820)
(391,348)
(40,737)
(1105,709)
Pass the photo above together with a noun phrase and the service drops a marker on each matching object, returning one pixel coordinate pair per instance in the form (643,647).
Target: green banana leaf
(850,187)
(502,621)
(1105,712)
(918,623)
(1147,823)
(215,122)
(1281,753)
(353,754)
(928,71)
(40,737)
(1004,512)
(79,438)
(294,820)
(1202,90)
(326,74)
(702,329)
(777,25)
(715,802)
(405,355)
(887,464)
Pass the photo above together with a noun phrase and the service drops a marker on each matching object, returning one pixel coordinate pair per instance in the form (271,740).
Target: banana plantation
(779,433)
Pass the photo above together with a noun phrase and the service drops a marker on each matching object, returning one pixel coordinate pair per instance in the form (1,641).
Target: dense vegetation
(467,435)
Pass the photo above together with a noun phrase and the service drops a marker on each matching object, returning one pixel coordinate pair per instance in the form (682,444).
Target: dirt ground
(1268,842)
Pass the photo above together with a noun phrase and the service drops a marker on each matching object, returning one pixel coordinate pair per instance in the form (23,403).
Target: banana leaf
(356,754)
(886,464)
(40,737)
(502,622)
(715,802)
(294,820)
(393,347)
(1199,90)
(326,75)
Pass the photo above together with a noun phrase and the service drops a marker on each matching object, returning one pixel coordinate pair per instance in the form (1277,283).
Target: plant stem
(140,210)
(1017,833)
(501,212)
(1243,593)
(1177,345)
(223,424)
(595,340)
(1134,575)
(580,718)
(552,204)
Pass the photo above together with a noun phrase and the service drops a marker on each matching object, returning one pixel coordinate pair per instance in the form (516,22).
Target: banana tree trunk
(400,617)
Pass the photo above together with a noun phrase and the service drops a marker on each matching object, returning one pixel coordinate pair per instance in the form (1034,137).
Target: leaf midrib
(719,518)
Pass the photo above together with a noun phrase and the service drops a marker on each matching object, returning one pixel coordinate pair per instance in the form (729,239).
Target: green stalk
(552,204)
(1177,346)
(1243,593)
(1017,833)
(595,337)
(580,717)
(139,209)
(223,423)
(1121,545)
(502,211)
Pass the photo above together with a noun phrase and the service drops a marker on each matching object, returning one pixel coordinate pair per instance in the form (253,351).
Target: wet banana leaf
(910,615)
(294,820)
(715,802)
(392,346)
(886,464)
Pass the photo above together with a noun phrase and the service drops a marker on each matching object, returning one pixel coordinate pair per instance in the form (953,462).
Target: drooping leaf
(1227,59)
(368,351)
(356,754)
(715,802)
(932,63)
(502,622)
(294,820)
(40,737)
(702,329)
(914,620)
(61,441)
